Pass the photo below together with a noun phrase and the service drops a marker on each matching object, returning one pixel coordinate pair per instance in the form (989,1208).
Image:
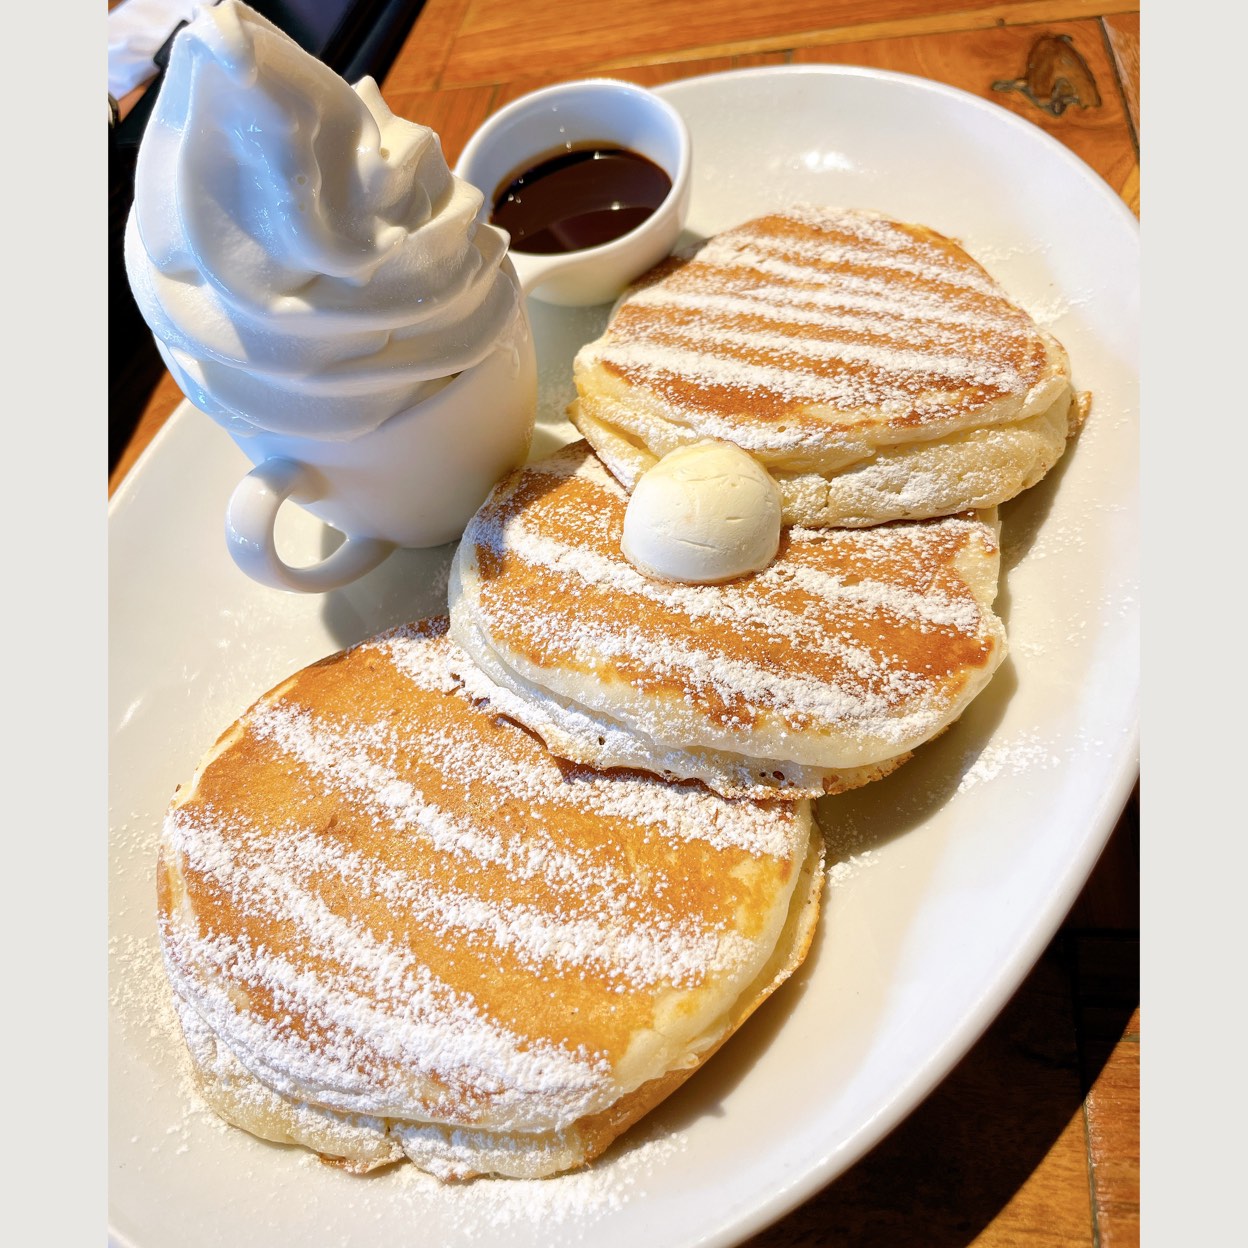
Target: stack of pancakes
(872,367)
(816,675)
(481,894)
(396,925)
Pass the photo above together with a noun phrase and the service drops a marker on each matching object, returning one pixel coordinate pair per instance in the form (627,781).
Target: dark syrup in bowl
(578,198)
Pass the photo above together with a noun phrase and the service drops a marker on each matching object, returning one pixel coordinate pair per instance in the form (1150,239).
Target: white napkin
(136,29)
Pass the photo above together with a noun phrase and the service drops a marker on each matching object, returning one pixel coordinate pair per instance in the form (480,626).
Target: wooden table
(1034,1138)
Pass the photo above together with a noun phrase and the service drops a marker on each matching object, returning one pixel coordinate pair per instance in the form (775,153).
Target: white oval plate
(953,874)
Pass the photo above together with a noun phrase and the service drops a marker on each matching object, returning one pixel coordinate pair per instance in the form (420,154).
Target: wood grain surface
(1033,1140)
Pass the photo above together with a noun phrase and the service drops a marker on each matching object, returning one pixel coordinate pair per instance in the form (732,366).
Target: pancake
(873,367)
(396,926)
(818,674)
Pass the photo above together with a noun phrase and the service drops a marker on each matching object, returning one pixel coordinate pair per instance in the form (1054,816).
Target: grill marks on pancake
(842,310)
(844,626)
(404,896)
(329,1003)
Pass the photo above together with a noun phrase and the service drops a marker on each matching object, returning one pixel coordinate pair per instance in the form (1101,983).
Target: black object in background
(352,37)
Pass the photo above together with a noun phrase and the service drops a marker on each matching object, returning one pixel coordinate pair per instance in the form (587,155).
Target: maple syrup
(578,198)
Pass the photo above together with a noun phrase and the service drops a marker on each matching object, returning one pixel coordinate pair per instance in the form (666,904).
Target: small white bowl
(571,114)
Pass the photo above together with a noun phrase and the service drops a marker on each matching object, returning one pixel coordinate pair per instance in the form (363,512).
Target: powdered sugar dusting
(839,873)
(487,1212)
(1011,757)
(855,306)
(821,621)
(685,357)
(681,812)
(825,317)
(388,1012)
(310,991)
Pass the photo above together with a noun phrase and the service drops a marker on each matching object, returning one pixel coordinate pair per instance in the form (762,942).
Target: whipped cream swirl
(306,260)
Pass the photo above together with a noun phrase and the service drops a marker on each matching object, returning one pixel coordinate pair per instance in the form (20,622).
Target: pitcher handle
(249,523)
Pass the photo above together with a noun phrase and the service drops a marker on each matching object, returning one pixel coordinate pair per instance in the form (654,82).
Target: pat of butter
(704,513)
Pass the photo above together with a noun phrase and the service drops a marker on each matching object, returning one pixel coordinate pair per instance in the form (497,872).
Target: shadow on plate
(868,818)
(707,1089)
(1008,1117)
(408,585)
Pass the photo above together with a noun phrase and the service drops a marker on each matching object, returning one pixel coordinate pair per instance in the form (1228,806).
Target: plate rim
(998,112)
